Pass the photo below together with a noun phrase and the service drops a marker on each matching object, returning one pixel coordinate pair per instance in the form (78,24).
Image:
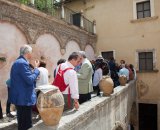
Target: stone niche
(2,60)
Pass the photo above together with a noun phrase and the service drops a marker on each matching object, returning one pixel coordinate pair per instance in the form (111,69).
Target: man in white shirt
(70,79)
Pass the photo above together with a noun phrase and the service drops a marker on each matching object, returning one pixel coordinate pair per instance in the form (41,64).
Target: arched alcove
(71,46)
(11,39)
(90,52)
(47,48)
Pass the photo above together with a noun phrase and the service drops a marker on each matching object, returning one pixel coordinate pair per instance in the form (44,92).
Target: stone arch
(92,45)
(21,28)
(118,126)
(41,32)
(9,49)
(75,40)
(71,46)
(90,52)
(48,48)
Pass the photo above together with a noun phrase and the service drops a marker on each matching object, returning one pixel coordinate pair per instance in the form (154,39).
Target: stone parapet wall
(101,113)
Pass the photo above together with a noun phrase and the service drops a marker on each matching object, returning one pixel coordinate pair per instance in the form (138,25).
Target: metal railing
(55,10)
(88,25)
(68,15)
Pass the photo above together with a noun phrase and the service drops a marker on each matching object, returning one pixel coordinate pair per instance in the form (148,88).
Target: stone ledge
(72,118)
(144,19)
(91,110)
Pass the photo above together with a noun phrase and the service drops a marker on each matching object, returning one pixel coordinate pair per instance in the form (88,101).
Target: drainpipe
(94,26)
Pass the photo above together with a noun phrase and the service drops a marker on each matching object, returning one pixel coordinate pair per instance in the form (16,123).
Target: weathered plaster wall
(50,38)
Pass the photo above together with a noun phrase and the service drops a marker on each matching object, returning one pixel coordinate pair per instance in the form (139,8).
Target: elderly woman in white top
(97,77)
(43,76)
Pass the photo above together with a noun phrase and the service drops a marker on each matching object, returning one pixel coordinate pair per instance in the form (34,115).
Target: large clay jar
(122,80)
(106,85)
(50,106)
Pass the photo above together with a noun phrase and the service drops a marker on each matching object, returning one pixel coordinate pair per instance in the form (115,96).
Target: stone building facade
(130,30)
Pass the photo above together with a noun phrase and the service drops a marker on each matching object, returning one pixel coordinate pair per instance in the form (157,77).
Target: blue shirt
(125,72)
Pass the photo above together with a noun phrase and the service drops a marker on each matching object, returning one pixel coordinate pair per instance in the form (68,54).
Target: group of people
(24,77)
(114,70)
(124,69)
(78,79)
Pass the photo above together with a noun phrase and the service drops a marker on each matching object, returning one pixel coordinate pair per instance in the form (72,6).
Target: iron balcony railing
(61,12)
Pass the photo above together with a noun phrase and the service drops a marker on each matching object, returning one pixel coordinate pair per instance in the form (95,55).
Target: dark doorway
(77,19)
(107,55)
(147,116)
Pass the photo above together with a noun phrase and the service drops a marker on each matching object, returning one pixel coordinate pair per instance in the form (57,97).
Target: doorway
(147,116)
(77,19)
(107,55)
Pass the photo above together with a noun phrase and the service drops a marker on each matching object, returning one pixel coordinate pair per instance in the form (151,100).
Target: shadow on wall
(142,88)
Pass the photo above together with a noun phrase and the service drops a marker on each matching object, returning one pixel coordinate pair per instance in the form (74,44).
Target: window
(143,9)
(145,61)
(108,54)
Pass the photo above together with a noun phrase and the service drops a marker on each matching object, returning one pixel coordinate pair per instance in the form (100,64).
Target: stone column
(82,20)
(62,9)
(94,27)
(32,2)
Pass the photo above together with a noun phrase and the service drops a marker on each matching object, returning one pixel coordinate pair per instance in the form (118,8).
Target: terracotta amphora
(122,80)
(50,106)
(106,85)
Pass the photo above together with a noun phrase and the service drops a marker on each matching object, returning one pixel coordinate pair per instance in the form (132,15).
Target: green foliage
(24,1)
(46,6)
